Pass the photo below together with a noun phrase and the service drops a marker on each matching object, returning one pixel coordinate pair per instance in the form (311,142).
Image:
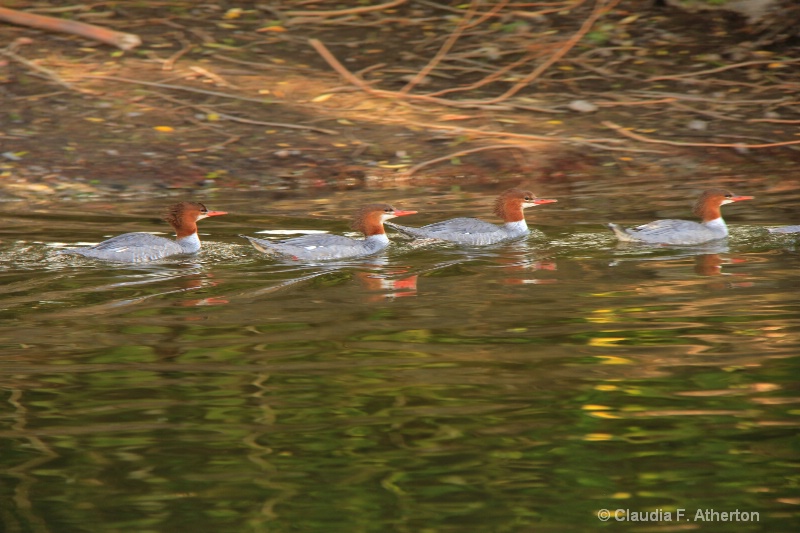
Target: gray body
(321,247)
(139,248)
(678,232)
(469,231)
(785,229)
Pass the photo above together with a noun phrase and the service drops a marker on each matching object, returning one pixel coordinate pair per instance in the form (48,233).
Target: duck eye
(388,210)
(528,199)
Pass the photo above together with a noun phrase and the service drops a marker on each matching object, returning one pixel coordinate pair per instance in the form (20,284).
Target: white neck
(377,241)
(717,226)
(520,227)
(190,244)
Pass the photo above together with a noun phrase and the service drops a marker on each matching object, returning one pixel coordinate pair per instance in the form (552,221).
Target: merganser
(368,220)
(685,232)
(785,229)
(472,231)
(141,247)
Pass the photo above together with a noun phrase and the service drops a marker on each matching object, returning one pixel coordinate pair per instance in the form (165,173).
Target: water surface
(519,387)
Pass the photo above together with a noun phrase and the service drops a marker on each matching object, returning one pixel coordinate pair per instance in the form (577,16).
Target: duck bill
(740,198)
(399,213)
(540,201)
(215,213)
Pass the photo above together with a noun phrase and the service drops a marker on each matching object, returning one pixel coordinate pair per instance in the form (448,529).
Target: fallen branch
(124,41)
(351,11)
(600,10)
(178,88)
(234,118)
(448,44)
(594,143)
(720,69)
(774,120)
(448,157)
(47,72)
(739,146)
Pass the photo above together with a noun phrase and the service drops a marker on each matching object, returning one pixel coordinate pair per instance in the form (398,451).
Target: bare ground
(304,95)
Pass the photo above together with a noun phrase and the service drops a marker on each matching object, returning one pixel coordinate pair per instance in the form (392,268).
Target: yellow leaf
(271,28)
(612,360)
(598,436)
(233,13)
(603,414)
(606,387)
(777,65)
(591,407)
(554,122)
(629,19)
(345,122)
(94,119)
(212,117)
(322,98)
(165,129)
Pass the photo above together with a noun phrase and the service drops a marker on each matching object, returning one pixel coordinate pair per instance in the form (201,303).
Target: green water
(518,388)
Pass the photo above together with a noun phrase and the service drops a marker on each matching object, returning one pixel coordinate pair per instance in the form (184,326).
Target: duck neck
(189,243)
(185,229)
(376,242)
(372,228)
(519,227)
(707,212)
(509,211)
(717,225)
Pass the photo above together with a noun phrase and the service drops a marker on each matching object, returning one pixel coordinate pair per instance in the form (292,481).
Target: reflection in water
(523,386)
(387,284)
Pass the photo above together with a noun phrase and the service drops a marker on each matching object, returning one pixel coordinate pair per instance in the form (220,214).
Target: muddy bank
(290,100)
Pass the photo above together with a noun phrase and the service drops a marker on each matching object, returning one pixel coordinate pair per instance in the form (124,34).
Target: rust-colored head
(370,218)
(510,203)
(707,207)
(184,216)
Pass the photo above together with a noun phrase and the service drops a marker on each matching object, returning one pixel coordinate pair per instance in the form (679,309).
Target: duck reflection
(520,260)
(382,285)
(709,259)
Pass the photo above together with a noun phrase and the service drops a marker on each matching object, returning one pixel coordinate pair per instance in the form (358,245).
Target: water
(521,387)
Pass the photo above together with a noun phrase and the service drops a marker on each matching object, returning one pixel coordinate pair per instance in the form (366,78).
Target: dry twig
(234,118)
(627,133)
(449,157)
(46,72)
(342,12)
(124,41)
(721,69)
